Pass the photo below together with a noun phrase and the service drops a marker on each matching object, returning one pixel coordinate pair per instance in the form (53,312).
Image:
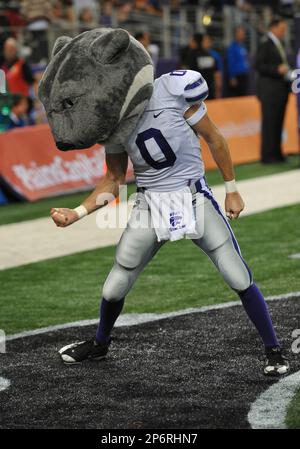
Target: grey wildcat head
(96,87)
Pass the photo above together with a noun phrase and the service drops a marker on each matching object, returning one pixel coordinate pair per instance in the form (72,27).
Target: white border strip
(131,319)
(269,409)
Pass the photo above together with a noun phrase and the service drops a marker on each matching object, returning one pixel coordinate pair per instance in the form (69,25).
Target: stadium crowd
(28,29)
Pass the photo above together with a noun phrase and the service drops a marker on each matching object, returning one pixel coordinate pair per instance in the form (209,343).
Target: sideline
(132,319)
(36,240)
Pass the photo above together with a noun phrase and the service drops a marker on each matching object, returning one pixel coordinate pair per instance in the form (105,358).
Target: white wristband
(81,211)
(230,186)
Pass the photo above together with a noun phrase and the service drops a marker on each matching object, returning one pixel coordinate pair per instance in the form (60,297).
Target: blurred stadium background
(222,34)
(34,176)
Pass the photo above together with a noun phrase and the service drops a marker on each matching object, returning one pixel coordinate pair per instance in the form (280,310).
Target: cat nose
(64,146)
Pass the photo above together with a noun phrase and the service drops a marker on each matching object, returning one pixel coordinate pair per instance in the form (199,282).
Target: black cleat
(276,364)
(78,352)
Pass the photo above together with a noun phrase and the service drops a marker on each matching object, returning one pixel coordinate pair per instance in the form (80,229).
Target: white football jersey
(164,149)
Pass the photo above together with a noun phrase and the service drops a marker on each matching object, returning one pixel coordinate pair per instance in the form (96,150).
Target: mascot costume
(99,88)
(95,88)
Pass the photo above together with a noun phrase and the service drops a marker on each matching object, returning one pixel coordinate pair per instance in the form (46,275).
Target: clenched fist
(234,205)
(63,216)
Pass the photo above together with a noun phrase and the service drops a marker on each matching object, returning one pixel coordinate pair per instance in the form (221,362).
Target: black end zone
(201,370)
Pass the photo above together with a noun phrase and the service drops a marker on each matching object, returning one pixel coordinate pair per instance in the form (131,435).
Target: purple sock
(257,310)
(109,312)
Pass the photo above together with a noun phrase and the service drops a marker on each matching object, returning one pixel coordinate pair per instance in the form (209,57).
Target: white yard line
(131,319)
(4,383)
(269,409)
(295,256)
(37,240)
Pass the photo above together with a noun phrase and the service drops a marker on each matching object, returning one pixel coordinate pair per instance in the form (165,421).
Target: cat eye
(67,103)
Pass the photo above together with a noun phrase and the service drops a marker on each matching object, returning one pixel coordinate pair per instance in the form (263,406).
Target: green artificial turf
(16,212)
(180,276)
(293,413)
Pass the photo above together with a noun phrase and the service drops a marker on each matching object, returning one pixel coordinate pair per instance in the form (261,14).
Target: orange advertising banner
(239,120)
(32,167)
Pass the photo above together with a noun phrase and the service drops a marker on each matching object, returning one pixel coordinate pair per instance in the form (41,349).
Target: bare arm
(216,142)
(107,188)
(221,154)
(114,177)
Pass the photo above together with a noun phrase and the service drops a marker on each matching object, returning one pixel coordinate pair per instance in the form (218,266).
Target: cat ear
(110,45)
(60,42)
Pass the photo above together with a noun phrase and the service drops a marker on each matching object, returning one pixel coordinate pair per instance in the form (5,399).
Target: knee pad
(117,283)
(232,266)
(241,284)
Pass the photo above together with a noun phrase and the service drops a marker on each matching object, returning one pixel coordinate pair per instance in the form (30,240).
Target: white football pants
(139,244)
